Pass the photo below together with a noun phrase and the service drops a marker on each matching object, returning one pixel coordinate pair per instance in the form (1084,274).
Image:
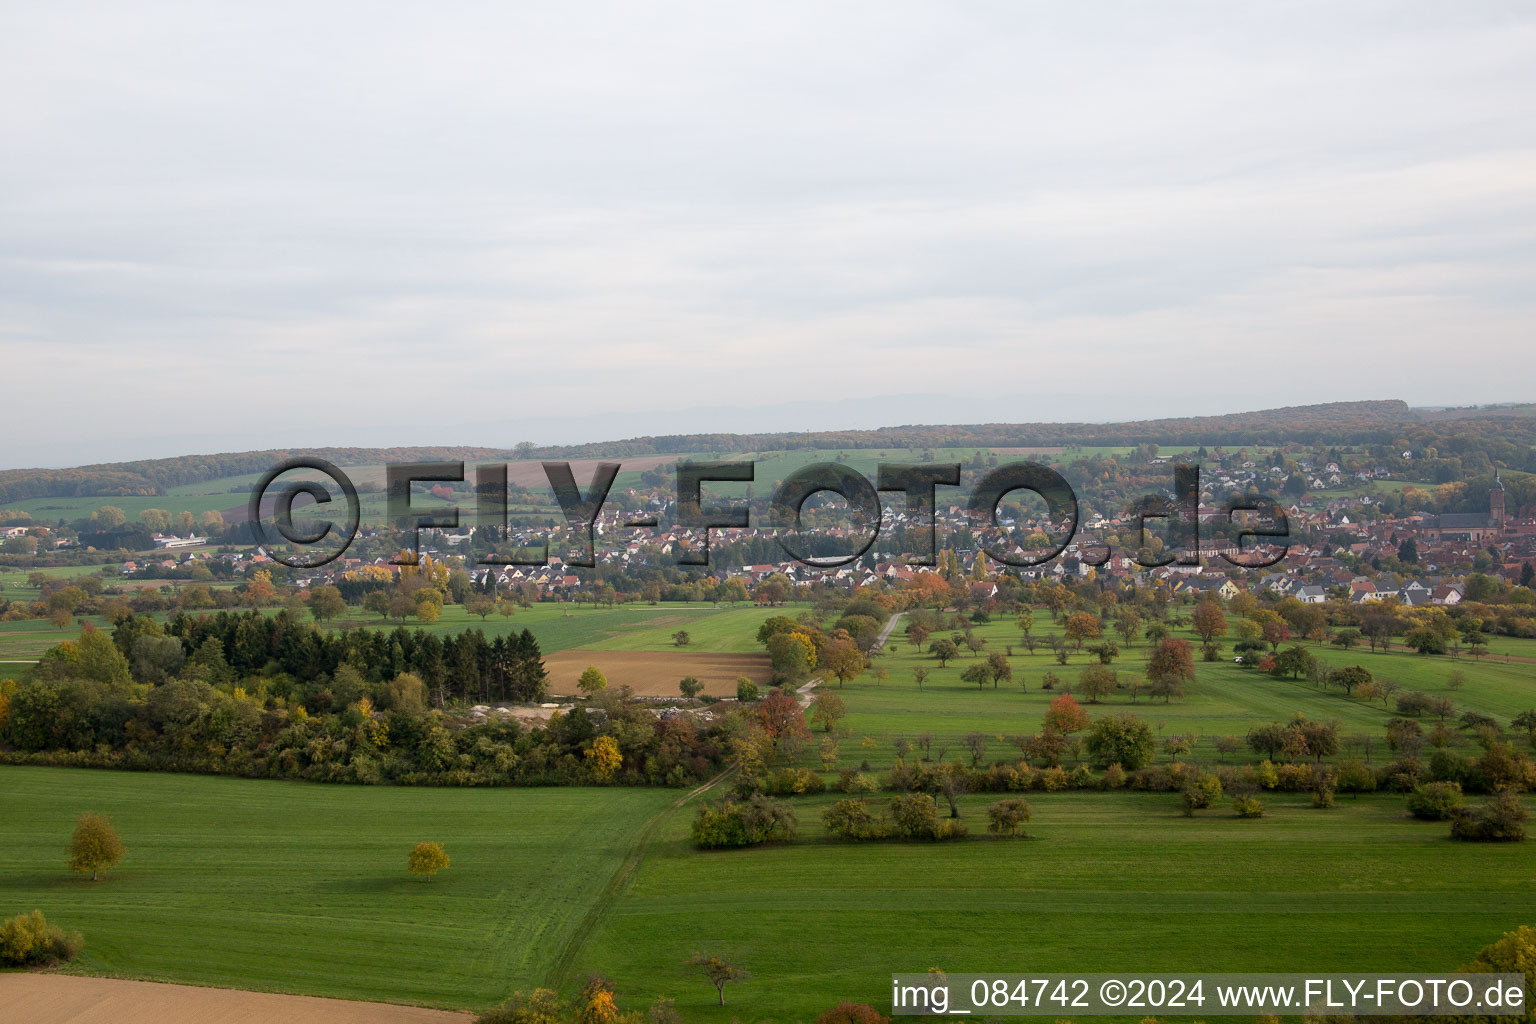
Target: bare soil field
(656,673)
(62,999)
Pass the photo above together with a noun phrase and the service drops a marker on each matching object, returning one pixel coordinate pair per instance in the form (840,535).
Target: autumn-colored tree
(1276,632)
(827,709)
(259,589)
(1066,716)
(781,716)
(853,1013)
(842,658)
(1209,621)
(592,680)
(95,846)
(604,759)
(1169,668)
(427,859)
(1082,626)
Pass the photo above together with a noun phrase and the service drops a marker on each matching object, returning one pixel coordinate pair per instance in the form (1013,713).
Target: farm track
(565,964)
(560,973)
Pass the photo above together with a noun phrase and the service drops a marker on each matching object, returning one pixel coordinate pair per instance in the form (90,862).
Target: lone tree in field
(1007,817)
(718,970)
(591,681)
(690,686)
(427,859)
(681,638)
(95,846)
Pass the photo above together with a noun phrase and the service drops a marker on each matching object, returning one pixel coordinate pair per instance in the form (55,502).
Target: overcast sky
(308,224)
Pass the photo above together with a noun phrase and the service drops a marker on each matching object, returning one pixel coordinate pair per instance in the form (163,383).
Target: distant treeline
(1502,435)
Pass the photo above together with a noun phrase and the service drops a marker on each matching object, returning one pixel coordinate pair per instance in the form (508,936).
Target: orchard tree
(1209,621)
(1096,682)
(1066,716)
(718,971)
(1169,668)
(1008,817)
(945,651)
(1121,739)
(976,673)
(1081,627)
(827,709)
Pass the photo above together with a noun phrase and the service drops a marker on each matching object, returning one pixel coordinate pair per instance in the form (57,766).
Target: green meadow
(303,888)
(296,887)
(1106,882)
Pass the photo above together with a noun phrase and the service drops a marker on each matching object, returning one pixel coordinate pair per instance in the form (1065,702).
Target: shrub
(1435,801)
(746,689)
(854,1013)
(1248,807)
(755,820)
(1356,777)
(1114,777)
(1322,797)
(851,819)
(1006,817)
(794,782)
(1500,820)
(850,781)
(1202,792)
(28,940)
(1055,779)
(541,1005)
(1081,777)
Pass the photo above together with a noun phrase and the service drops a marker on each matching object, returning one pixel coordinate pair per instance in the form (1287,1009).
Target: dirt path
(63,999)
(562,973)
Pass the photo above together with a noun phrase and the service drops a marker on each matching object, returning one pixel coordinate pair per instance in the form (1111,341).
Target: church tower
(1496,502)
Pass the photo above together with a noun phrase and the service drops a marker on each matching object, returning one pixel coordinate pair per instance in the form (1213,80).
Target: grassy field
(294,887)
(1109,882)
(302,888)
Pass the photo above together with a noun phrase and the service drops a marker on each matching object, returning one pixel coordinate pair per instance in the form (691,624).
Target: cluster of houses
(1337,565)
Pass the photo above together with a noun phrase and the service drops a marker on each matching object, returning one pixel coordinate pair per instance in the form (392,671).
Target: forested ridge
(1506,434)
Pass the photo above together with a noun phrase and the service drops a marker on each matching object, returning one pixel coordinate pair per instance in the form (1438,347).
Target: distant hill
(1374,422)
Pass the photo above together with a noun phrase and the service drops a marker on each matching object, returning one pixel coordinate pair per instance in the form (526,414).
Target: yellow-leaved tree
(427,859)
(604,759)
(95,846)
